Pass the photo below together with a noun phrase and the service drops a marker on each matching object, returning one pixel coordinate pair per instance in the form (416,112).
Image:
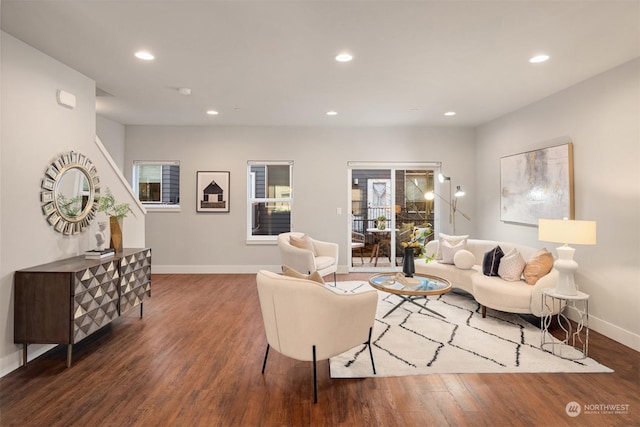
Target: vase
(408,267)
(382,225)
(115,225)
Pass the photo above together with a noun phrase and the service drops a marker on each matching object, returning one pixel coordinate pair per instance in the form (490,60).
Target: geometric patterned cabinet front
(65,301)
(135,279)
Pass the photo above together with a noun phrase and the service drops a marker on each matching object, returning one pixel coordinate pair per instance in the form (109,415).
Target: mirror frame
(48,196)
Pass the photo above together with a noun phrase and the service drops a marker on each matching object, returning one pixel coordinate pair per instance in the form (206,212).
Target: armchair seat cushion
(323,262)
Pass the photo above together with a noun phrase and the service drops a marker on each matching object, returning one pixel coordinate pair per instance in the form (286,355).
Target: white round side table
(575,345)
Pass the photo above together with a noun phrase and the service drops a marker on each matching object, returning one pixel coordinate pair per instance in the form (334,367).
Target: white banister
(119,174)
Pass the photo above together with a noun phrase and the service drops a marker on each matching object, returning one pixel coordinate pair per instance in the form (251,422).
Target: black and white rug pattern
(413,341)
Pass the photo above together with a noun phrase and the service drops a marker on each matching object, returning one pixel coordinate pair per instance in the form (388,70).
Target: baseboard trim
(223,269)
(213,269)
(614,332)
(13,361)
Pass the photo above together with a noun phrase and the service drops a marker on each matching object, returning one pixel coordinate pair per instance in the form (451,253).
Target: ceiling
(272,62)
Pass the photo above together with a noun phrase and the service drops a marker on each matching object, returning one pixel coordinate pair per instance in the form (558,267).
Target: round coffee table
(424,286)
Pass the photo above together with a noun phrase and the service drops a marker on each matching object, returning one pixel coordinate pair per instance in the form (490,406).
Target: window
(157,184)
(269,200)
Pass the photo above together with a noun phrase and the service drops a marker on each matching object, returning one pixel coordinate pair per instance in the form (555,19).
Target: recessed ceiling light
(212,112)
(332,113)
(145,56)
(184,91)
(450,113)
(539,58)
(344,57)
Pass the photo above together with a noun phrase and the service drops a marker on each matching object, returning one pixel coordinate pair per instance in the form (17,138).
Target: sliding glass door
(387,205)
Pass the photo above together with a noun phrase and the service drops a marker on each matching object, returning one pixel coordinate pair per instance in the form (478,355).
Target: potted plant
(116,213)
(382,222)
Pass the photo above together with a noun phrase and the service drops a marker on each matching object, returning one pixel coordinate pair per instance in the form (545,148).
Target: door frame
(392,167)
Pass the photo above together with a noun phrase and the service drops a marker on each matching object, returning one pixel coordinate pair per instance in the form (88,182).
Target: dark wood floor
(195,360)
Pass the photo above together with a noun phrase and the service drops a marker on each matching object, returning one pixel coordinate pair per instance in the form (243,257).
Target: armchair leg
(264,364)
(315,383)
(371,352)
(335,280)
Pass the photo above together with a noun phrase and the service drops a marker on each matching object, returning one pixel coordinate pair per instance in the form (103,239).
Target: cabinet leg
(24,354)
(69,352)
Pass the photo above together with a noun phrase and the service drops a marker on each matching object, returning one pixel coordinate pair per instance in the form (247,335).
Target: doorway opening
(388,208)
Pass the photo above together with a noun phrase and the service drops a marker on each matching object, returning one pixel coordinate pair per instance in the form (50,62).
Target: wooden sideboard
(65,301)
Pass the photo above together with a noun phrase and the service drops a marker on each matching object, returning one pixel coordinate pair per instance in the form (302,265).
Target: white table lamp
(567,232)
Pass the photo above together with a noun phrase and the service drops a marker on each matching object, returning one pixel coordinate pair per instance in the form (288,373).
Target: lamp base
(566,266)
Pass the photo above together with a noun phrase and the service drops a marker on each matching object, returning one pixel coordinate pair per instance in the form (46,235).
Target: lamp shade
(567,231)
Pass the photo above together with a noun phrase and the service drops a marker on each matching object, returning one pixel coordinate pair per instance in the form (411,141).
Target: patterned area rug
(413,341)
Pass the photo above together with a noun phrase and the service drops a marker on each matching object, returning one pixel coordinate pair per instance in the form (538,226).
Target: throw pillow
(303,242)
(464,260)
(449,250)
(290,272)
(539,265)
(453,240)
(491,261)
(511,266)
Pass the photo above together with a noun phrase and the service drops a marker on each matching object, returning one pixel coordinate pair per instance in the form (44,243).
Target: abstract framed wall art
(537,184)
(212,188)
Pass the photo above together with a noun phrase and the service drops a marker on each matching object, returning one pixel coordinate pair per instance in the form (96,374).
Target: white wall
(206,242)
(112,136)
(601,117)
(36,130)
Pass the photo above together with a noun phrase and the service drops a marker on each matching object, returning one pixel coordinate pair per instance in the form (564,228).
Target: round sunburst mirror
(70,190)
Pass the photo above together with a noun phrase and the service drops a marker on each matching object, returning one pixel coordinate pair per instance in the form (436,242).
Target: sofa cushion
(453,240)
(495,293)
(303,242)
(290,272)
(463,259)
(540,264)
(449,250)
(491,261)
(511,266)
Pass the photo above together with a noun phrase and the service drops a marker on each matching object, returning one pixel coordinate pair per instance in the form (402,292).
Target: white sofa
(491,291)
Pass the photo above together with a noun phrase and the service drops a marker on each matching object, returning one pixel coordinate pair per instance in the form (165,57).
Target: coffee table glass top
(424,284)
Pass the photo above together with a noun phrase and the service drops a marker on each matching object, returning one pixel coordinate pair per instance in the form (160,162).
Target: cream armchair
(307,321)
(318,256)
